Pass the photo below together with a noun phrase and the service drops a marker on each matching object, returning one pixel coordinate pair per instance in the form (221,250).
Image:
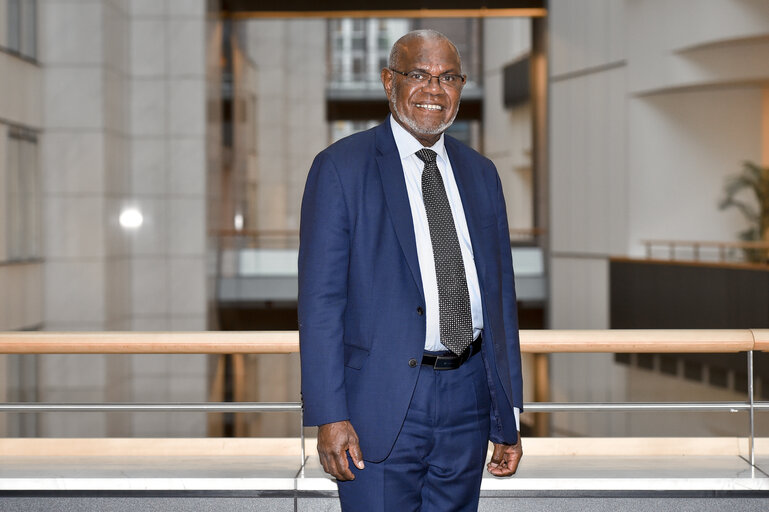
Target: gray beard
(412,125)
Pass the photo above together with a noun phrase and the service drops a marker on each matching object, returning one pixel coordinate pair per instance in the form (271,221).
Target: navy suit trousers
(438,459)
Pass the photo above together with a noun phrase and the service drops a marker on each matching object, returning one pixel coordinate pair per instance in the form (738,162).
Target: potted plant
(755,179)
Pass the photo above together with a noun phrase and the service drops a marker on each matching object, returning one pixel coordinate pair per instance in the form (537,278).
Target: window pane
(14,25)
(31,199)
(14,227)
(23,198)
(29,28)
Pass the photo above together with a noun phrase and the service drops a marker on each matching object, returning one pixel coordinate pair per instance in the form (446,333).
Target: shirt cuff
(517,413)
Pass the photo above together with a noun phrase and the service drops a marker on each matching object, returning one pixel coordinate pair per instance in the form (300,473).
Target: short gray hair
(426,34)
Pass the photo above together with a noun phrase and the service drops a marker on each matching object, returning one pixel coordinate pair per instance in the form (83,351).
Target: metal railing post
(301,436)
(751,412)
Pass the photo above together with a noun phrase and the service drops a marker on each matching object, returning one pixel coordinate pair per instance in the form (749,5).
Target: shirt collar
(408,145)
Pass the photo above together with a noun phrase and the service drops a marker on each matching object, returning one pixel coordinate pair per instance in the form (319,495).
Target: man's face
(424,109)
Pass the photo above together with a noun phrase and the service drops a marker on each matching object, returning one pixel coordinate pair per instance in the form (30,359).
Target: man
(407,310)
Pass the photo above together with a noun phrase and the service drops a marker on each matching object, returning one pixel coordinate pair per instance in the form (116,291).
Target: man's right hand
(334,441)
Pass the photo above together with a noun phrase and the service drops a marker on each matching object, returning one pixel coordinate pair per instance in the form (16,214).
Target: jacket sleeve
(503,425)
(324,249)
(509,302)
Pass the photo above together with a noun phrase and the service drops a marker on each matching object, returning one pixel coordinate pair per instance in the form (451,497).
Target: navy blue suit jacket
(360,289)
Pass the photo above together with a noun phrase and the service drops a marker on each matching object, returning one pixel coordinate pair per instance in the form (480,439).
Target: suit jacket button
(413,362)
(420,311)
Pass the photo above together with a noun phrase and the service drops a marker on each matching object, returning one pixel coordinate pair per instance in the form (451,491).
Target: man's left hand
(505,459)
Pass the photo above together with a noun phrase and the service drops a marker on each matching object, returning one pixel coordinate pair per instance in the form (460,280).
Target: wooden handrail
(127,342)
(636,341)
(284,342)
(761,339)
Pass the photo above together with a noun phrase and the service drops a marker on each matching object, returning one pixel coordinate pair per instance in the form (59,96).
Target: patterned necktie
(456,322)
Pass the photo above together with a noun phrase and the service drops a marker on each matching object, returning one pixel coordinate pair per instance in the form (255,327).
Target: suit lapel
(396,197)
(468,186)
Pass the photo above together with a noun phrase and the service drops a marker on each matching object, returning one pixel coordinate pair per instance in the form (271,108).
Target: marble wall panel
(66,424)
(271,81)
(271,143)
(118,293)
(118,132)
(186,107)
(186,228)
(118,240)
(191,388)
(517,187)
(579,291)
(148,166)
(149,323)
(62,43)
(505,40)
(148,102)
(75,227)
(117,174)
(269,109)
(151,238)
(116,107)
(188,424)
(588,168)
(72,162)
(147,8)
(188,323)
(189,365)
(188,293)
(265,41)
(195,9)
(271,201)
(21,309)
(14,304)
(586,35)
(186,47)
(117,42)
(74,98)
(148,48)
(7,321)
(74,294)
(186,169)
(150,365)
(507,131)
(71,371)
(149,287)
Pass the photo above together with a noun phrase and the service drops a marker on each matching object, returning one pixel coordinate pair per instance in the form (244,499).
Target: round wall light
(131,218)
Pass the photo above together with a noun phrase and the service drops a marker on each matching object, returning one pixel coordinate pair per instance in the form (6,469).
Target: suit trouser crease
(438,459)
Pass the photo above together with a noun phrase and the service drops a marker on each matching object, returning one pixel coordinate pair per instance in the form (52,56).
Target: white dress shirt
(412,172)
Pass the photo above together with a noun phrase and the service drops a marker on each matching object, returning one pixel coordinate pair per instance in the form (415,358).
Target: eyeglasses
(424,78)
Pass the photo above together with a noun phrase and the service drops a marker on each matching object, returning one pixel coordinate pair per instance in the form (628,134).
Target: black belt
(451,361)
